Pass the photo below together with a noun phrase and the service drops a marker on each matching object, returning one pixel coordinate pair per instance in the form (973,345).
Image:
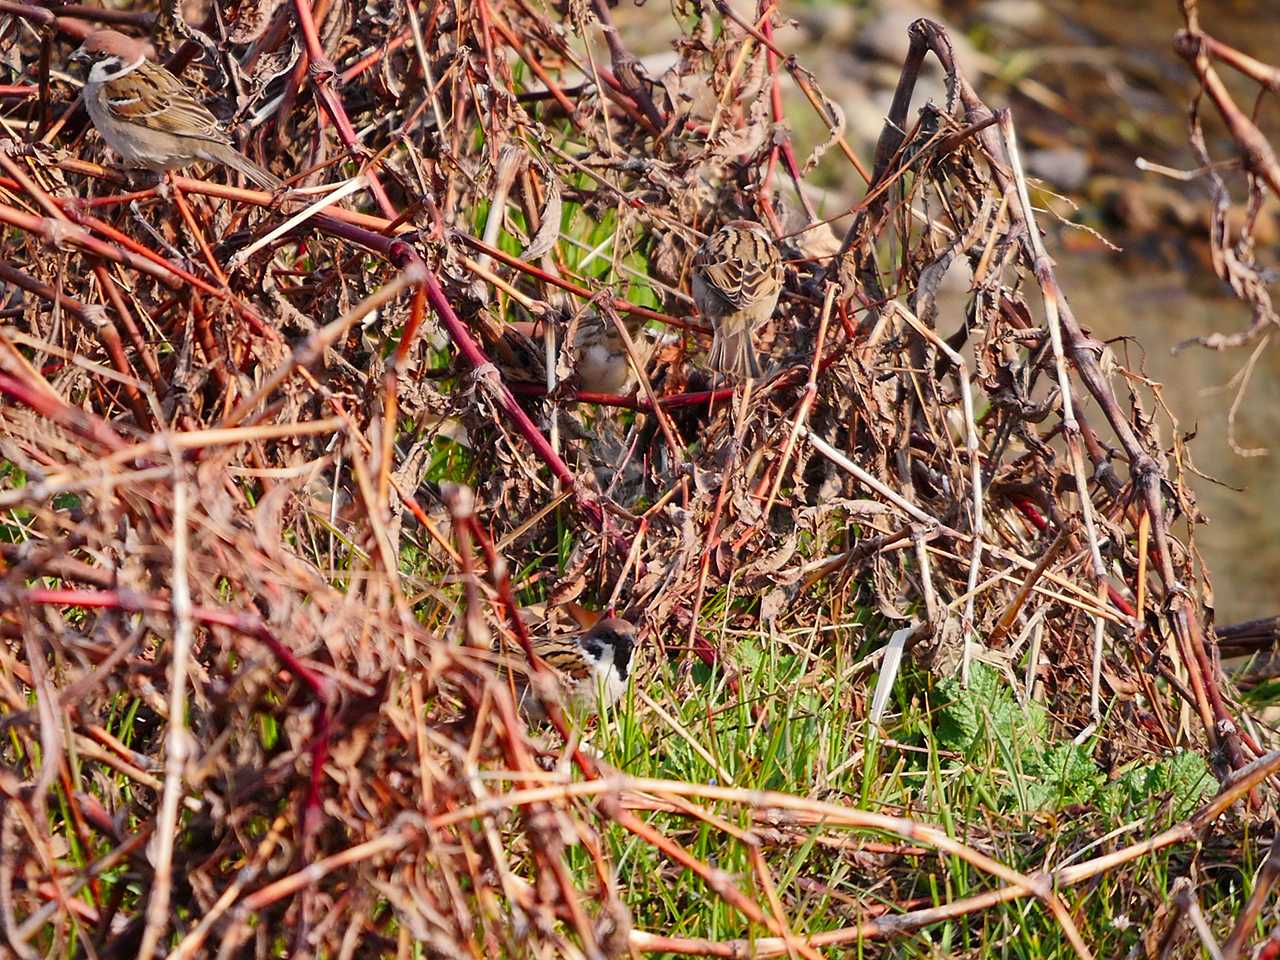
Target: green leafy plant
(1012,743)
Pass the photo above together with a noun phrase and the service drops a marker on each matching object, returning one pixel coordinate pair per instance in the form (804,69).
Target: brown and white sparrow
(150,117)
(737,277)
(599,356)
(591,668)
(602,365)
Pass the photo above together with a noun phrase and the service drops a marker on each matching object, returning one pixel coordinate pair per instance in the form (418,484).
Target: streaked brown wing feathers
(741,266)
(561,653)
(167,106)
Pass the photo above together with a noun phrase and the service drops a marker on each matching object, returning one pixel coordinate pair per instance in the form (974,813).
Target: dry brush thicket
(243,622)
(1239,174)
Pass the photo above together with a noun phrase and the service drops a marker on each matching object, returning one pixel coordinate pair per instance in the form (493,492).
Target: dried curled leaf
(549,222)
(835,124)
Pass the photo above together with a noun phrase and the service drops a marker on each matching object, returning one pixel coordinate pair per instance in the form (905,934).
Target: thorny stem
(322,74)
(626,67)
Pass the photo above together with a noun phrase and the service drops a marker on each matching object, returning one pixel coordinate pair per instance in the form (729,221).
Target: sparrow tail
(233,158)
(733,354)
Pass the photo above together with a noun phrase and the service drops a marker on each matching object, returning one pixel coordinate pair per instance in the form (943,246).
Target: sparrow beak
(80,56)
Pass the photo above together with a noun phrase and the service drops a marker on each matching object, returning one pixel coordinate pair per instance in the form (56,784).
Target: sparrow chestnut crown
(113,43)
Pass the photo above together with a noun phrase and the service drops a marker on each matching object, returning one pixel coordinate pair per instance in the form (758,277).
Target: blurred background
(1093,86)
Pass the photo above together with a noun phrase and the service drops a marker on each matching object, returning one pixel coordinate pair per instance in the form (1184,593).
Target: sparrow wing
(741,266)
(562,653)
(152,97)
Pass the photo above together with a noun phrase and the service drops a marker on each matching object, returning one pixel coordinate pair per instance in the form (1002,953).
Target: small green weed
(1012,742)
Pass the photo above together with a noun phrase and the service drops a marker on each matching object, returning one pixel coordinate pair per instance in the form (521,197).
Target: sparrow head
(112,49)
(610,643)
(749,225)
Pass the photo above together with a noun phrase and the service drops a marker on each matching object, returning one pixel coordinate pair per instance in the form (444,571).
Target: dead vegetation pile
(241,592)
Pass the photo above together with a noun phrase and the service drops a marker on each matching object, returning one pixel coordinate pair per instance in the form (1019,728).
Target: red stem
(56,232)
(53,407)
(322,74)
(404,256)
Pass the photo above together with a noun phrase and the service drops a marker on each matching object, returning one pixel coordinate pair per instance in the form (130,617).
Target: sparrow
(602,365)
(737,277)
(591,667)
(599,356)
(150,117)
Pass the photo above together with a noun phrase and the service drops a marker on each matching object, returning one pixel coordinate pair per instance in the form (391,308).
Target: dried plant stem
(1147,473)
(655,405)
(801,81)
(1258,157)
(831,814)
(840,460)
(1258,897)
(1010,615)
(178,741)
(1070,425)
(510,159)
(975,469)
(326,202)
(806,401)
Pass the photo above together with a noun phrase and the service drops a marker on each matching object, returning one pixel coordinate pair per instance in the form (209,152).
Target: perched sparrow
(737,276)
(599,356)
(148,116)
(602,365)
(592,667)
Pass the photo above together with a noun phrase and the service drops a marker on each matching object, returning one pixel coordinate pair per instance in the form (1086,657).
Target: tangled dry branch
(1237,260)
(243,609)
